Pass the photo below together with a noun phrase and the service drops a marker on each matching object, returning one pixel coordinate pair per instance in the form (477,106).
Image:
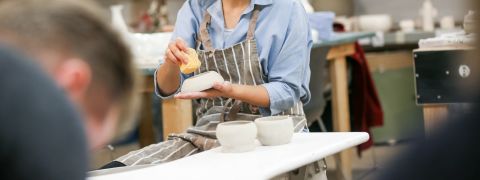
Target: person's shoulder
(286,3)
(292,8)
(284,6)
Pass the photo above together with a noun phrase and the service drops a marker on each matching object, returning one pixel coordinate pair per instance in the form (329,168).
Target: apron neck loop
(204,36)
(232,111)
(253,23)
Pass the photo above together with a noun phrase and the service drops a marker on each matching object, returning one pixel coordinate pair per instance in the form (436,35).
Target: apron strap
(204,36)
(233,112)
(253,23)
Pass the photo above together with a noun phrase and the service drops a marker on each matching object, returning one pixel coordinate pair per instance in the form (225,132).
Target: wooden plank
(341,111)
(434,116)
(387,61)
(177,116)
(146,128)
(341,51)
(148,84)
(146,132)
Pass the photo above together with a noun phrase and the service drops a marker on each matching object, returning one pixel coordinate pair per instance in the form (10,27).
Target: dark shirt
(41,136)
(452,153)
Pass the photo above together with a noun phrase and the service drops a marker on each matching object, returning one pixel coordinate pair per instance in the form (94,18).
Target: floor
(371,163)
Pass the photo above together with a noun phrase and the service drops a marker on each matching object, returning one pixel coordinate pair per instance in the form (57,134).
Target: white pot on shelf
(470,21)
(375,23)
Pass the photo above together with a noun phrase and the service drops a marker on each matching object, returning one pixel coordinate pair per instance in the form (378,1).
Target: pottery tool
(193,62)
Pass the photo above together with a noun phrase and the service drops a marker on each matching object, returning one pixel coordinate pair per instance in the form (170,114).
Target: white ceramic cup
(274,130)
(237,136)
(407,25)
(447,22)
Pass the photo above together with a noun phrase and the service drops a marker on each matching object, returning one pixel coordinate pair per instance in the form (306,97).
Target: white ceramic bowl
(237,136)
(380,22)
(274,130)
(201,82)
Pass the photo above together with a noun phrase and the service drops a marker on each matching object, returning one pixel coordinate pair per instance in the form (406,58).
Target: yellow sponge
(193,62)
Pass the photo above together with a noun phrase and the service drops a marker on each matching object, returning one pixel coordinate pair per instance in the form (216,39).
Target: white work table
(262,163)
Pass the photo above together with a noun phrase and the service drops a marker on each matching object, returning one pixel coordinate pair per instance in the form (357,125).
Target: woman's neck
(232,11)
(233,4)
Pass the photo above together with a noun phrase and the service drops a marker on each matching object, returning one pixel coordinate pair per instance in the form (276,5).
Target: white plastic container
(469,23)
(428,13)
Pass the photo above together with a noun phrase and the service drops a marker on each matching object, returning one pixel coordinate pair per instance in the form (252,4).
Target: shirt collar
(257,2)
(216,8)
(262,2)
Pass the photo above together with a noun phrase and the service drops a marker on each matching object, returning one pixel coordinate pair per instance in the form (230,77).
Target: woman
(262,49)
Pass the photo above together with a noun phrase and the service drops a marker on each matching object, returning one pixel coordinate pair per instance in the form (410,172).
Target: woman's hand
(168,77)
(224,89)
(175,52)
(254,95)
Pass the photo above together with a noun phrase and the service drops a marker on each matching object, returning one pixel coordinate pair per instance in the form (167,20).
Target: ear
(74,76)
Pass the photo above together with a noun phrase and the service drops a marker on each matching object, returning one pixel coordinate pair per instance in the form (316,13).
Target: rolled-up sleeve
(289,69)
(185,28)
(157,87)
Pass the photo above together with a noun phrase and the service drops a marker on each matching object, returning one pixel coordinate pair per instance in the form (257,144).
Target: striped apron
(238,64)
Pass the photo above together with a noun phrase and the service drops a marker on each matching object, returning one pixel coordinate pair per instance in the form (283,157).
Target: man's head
(73,43)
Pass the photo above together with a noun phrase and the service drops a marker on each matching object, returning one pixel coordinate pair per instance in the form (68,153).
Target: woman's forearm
(168,78)
(255,95)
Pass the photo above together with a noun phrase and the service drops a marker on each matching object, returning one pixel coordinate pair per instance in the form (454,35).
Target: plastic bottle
(428,13)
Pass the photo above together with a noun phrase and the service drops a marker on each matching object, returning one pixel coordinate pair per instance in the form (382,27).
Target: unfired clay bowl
(237,136)
(274,130)
(201,82)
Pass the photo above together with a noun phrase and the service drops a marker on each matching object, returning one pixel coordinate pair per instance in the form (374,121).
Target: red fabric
(366,109)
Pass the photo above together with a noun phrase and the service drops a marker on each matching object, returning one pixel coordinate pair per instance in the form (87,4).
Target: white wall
(173,7)
(409,9)
(399,9)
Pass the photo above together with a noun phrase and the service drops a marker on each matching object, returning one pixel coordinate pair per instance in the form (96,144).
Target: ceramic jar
(274,130)
(237,136)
